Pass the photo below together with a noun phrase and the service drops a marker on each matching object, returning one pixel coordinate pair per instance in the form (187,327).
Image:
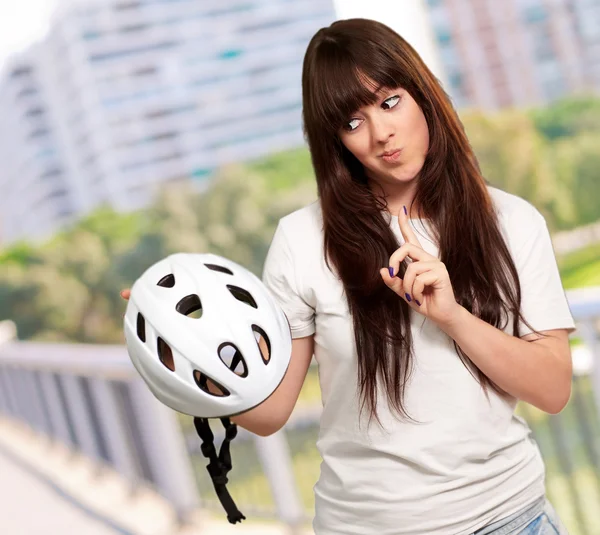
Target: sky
(22,23)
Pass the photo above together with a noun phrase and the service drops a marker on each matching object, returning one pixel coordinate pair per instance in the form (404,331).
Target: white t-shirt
(469,462)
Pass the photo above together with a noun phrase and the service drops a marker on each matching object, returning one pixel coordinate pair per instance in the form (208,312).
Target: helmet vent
(242,295)
(233,359)
(190,306)
(165,354)
(264,344)
(222,269)
(141,327)
(209,386)
(168,281)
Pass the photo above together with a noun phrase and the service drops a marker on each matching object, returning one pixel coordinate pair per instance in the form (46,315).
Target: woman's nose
(382,130)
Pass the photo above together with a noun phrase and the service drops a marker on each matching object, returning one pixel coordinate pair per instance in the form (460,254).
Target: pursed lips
(391,154)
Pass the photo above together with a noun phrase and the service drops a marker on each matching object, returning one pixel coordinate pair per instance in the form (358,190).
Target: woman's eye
(349,124)
(392,101)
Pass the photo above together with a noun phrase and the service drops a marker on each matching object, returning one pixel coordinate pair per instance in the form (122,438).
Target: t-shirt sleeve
(543,301)
(280,278)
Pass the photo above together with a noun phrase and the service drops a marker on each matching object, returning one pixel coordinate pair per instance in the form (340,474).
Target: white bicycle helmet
(192,326)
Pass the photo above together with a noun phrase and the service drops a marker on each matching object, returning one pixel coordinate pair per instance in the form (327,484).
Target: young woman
(431,301)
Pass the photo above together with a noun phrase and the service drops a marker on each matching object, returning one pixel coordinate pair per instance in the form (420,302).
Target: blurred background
(132,129)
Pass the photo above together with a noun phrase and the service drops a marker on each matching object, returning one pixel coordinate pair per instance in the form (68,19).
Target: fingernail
(405,212)
(391,271)
(417,302)
(408,298)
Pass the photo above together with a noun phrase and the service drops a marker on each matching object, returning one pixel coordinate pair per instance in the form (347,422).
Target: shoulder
(521,223)
(304,224)
(298,236)
(296,249)
(515,214)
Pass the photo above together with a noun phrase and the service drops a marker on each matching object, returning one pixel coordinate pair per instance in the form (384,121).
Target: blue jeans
(540,518)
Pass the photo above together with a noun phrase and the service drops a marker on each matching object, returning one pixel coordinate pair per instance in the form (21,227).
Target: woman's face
(390,138)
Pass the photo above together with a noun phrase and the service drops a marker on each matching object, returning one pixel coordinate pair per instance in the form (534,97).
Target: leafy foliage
(68,288)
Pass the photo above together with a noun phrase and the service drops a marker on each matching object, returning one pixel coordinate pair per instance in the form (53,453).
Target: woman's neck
(396,199)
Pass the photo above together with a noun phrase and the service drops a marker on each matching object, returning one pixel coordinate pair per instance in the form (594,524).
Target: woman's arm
(273,413)
(536,370)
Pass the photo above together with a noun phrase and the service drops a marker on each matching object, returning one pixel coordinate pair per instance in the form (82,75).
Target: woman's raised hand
(426,286)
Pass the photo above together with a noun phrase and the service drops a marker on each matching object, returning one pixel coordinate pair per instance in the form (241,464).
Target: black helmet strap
(220,465)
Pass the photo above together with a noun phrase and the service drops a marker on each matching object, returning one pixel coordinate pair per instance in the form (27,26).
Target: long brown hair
(451,193)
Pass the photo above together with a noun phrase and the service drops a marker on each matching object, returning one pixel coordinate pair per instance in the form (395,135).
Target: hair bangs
(345,85)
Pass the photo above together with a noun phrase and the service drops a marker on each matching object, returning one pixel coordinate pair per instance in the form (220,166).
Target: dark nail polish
(408,298)
(405,212)
(417,302)
(391,271)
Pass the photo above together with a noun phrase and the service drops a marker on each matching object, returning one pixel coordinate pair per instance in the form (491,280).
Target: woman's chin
(404,177)
(401,176)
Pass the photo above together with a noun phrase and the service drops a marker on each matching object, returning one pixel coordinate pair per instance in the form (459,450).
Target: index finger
(412,251)
(405,228)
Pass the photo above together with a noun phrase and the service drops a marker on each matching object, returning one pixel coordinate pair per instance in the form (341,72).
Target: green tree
(568,117)
(513,156)
(576,162)
(20,253)
(68,288)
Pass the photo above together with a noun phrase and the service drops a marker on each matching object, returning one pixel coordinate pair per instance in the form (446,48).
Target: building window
(20,71)
(543,45)
(230,54)
(109,102)
(227,10)
(443,35)
(534,14)
(161,137)
(64,212)
(90,35)
(144,71)
(39,132)
(202,172)
(456,81)
(55,171)
(132,28)
(45,153)
(27,91)
(125,6)
(57,193)
(265,25)
(449,57)
(160,159)
(122,53)
(165,112)
(34,112)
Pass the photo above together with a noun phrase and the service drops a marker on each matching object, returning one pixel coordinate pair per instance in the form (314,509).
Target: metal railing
(90,398)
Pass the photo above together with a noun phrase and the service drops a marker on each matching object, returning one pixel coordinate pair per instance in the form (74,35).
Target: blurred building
(34,194)
(517,52)
(143,92)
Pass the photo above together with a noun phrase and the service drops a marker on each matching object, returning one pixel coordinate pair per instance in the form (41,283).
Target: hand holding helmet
(210,341)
